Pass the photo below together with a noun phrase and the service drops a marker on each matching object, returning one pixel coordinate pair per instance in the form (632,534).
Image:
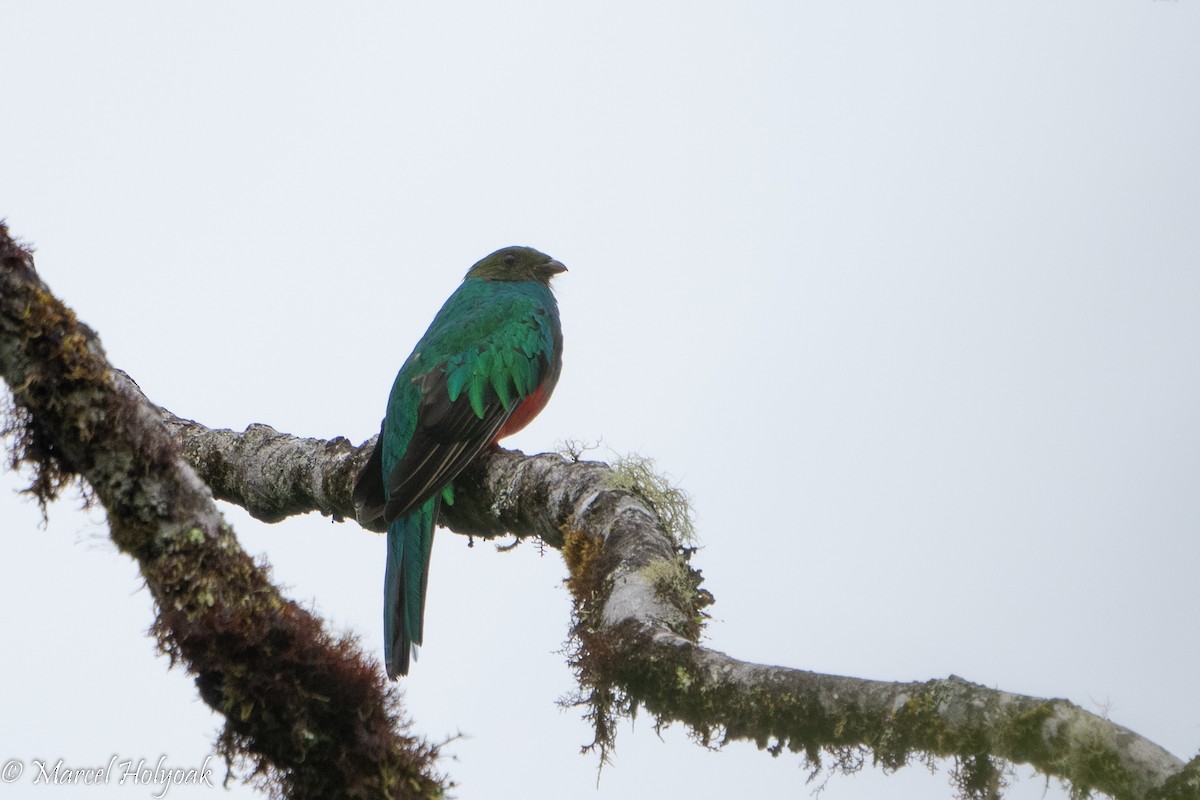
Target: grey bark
(306,714)
(638,603)
(640,641)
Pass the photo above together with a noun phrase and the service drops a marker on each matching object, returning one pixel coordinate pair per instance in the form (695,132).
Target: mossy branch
(637,619)
(638,613)
(309,716)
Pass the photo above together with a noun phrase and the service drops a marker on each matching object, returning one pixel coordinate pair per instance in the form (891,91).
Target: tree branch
(310,714)
(638,608)
(638,603)
(270,474)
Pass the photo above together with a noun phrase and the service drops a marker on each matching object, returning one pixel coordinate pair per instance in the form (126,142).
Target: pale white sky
(906,295)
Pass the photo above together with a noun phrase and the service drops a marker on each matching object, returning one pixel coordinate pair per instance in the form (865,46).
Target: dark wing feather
(369,499)
(448,436)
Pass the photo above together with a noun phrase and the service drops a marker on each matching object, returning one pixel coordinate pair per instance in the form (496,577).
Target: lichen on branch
(306,714)
(638,600)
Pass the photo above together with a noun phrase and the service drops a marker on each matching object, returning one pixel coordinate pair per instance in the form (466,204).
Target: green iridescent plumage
(483,370)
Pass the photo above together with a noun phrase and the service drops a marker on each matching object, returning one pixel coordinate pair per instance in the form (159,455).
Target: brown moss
(589,650)
(309,715)
(57,362)
(317,705)
(33,453)
(583,554)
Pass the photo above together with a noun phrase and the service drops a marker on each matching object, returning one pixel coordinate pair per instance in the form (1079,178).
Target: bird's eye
(510,259)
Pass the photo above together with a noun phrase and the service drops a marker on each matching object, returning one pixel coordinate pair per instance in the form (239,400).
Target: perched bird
(483,370)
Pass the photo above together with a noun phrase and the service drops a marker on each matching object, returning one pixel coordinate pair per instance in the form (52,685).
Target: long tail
(409,544)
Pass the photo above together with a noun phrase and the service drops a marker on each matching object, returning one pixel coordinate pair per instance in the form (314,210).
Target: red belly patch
(524,412)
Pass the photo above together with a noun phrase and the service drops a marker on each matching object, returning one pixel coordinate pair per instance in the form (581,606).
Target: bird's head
(516,264)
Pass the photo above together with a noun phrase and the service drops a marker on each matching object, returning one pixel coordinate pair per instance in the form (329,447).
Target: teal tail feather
(409,544)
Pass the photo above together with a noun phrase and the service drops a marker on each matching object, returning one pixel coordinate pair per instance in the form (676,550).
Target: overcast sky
(906,295)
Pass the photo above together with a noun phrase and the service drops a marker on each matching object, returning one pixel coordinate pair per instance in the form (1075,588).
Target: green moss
(1025,734)
(588,650)
(684,678)
(672,506)
(1183,785)
(594,652)
(677,583)
(918,720)
(1088,760)
(668,682)
(668,575)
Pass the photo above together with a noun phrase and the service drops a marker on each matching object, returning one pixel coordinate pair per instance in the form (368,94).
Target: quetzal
(483,370)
